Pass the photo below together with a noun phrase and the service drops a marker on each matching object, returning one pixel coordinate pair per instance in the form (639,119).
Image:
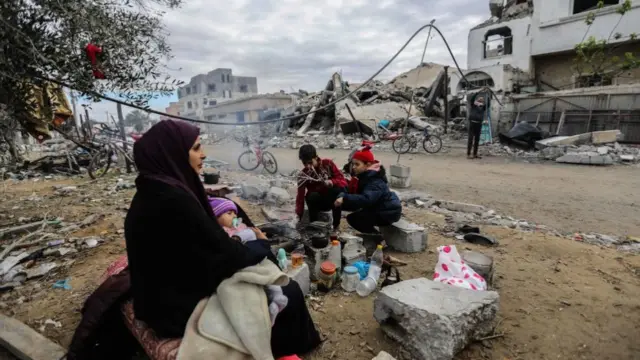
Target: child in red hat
(373,203)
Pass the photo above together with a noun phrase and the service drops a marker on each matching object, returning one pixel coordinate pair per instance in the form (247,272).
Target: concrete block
(463,207)
(585,159)
(399,182)
(315,257)
(302,275)
(434,321)
(278,196)
(353,250)
(552,153)
(405,236)
(26,343)
(400,171)
(382,355)
(480,263)
(326,217)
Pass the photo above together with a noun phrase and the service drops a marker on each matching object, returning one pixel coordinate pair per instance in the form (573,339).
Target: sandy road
(567,197)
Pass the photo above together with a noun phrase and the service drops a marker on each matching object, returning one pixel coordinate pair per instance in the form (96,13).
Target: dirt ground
(559,299)
(568,197)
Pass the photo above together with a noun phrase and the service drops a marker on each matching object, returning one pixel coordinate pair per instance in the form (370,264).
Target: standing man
(476,118)
(319,183)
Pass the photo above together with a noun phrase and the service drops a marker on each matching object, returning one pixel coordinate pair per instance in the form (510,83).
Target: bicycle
(258,154)
(108,153)
(431,143)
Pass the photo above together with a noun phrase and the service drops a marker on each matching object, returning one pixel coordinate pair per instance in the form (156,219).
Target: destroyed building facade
(525,53)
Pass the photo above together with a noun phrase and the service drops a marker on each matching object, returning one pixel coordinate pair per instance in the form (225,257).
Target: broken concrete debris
(434,321)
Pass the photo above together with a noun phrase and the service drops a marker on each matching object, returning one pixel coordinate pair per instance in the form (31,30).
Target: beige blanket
(234,323)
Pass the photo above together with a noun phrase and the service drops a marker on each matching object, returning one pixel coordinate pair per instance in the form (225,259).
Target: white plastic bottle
(370,283)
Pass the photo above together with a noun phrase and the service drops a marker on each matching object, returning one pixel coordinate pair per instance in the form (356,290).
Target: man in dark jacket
(476,118)
(373,204)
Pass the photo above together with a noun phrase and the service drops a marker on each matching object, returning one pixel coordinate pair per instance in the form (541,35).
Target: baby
(226,212)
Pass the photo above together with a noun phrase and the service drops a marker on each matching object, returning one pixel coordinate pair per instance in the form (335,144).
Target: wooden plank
(26,343)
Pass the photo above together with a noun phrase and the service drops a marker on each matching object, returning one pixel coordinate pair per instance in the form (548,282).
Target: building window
(188,90)
(230,94)
(588,5)
(189,105)
(222,77)
(224,94)
(228,78)
(244,88)
(211,87)
(498,42)
(594,80)
(212,102)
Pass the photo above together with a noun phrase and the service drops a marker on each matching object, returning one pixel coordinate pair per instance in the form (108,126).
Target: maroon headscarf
(162,154)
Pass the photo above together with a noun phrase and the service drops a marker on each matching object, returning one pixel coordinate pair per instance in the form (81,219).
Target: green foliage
(136,118)
(595,57)
(46,38)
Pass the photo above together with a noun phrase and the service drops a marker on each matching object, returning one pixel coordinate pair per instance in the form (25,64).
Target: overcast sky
(291,44)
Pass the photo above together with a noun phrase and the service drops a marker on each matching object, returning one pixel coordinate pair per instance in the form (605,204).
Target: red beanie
(364,155)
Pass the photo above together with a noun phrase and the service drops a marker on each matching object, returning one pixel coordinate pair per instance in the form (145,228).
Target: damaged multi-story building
(526,51)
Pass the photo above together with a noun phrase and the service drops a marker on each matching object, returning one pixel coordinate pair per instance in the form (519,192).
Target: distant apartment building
(174,108)
(215,87)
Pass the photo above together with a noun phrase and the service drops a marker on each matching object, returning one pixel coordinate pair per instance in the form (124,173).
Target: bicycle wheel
(100,164)
(269,162)
(401,145)
(432,144)
(249,157)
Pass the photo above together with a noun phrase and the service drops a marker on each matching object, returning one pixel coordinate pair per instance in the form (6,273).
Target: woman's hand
(259,234)
(338,202)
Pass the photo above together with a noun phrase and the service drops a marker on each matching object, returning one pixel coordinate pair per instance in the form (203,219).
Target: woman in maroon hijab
(178,254)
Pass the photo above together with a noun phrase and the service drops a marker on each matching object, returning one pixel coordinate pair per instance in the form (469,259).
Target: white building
(535,39)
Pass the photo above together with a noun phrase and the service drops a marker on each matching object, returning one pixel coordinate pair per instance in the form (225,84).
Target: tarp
(523,133)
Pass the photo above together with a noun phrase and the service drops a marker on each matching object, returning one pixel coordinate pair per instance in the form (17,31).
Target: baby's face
(226,219)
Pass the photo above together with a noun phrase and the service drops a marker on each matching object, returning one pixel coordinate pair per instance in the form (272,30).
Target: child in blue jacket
(373,204)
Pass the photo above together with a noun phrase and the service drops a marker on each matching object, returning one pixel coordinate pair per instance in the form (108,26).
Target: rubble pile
(374,102)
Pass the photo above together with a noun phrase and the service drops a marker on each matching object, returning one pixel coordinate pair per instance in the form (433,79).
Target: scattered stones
(434,321)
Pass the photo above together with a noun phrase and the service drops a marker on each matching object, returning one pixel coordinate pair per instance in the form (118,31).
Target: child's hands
(259,234)
(338,202)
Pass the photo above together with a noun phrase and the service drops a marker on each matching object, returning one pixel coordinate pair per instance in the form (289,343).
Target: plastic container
(282,260)
(297,257)
(327,276)
(350,278)
(370,283)
(335,255)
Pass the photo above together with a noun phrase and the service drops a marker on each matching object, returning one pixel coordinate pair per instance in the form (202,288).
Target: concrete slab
(405,236)
(302,275)
(585,159)
(605,137)
(25,343)
(434,321)
(463,207)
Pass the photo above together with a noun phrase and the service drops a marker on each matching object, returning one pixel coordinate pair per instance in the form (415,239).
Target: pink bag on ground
(452,270)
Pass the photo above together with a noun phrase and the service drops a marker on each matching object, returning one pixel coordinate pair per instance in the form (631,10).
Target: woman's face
(359,166)
(196,156)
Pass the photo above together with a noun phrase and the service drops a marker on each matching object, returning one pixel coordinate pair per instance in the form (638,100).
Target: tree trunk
(13,149)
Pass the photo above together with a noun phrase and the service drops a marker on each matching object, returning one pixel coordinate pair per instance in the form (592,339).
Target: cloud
(292,44)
